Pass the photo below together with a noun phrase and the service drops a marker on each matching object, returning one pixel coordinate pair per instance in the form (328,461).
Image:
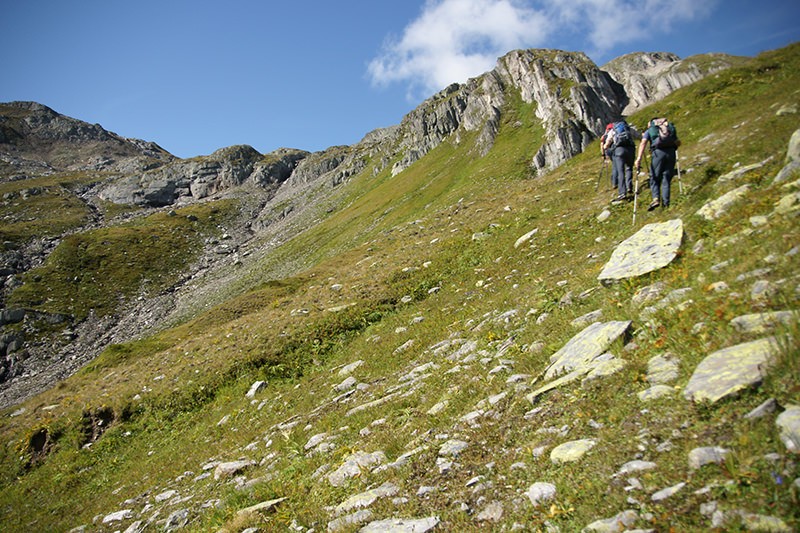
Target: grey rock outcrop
(574,99)
(35,139)
(201,177)
(649,77)
(651,248)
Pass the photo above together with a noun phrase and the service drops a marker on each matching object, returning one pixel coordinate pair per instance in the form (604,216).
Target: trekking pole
(635,196)
(678,164)
(600,175)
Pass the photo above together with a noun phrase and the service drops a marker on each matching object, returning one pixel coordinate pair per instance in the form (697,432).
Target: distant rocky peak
(34,136)
(574,99)
(647,77)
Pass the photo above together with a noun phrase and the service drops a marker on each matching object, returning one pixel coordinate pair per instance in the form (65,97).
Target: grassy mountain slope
(425,257)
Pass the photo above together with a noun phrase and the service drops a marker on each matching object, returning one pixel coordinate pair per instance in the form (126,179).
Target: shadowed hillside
(441,349)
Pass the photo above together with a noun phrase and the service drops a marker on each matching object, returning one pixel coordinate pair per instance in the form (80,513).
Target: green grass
(43,207)
(95,270)
(168,392)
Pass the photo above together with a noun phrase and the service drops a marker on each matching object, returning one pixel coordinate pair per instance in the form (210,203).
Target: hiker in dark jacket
(662,138)
(620,143)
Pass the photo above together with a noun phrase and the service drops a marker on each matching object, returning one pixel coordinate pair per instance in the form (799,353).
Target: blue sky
(196,76)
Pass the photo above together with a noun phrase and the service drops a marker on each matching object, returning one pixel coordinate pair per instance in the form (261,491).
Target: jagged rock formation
(649,77)
(198,178)
(574,99)
(34,140)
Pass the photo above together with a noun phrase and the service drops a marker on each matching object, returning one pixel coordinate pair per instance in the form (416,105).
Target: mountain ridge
(290,186)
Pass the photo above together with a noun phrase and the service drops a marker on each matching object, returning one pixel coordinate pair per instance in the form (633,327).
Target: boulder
(651,248)
(730,370)
(585,347)
(788,423)
(716,208)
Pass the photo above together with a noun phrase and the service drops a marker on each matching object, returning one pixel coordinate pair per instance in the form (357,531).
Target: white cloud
(453,40)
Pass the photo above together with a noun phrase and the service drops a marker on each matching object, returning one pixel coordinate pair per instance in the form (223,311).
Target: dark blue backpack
(622,134)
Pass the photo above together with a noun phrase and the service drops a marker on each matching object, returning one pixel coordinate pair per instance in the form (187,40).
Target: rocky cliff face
(34,139)
(574,99)
(649,77)
(197,178)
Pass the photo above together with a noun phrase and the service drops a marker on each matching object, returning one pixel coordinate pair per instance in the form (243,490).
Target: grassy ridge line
(465,263)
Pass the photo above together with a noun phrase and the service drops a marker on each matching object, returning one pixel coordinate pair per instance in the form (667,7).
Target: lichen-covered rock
(401,525)
(716,208)
(651,248)
(572,451)
(728,371)
(789,424)
(586,346)
(763,322)
(662,369)
(540,492)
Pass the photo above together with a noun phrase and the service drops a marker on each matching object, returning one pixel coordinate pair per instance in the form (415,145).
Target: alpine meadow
(448,326)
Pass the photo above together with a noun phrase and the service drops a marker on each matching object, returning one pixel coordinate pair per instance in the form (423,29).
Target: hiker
(619,143)
(608,155)
(662,137)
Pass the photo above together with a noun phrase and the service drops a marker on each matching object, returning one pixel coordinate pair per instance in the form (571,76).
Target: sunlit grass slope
(425,256)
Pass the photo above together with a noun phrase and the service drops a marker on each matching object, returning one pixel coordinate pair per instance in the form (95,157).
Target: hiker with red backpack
(662,137)
(607,154)
(619,143)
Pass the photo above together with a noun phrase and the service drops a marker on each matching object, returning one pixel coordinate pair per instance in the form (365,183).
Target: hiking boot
(619,198)
(655,203)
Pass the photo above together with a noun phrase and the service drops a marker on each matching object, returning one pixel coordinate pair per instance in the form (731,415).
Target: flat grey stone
(452,448)
(763,322)
(367,498)
(706,455)
(125,514)
(716,208)
(730,370)
(261,507)
(788,423)
(585,347)
(540,492)
(353,466)
(230,469)
(635,466)
(354,519)
(349,369)
(493,512)
(255,388)
(615,524)
(401,525)
(764,409)
(655,392)
(651,248)
(663,494)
